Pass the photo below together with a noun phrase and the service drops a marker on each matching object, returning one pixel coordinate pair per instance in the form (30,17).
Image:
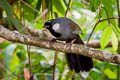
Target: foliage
(86,13)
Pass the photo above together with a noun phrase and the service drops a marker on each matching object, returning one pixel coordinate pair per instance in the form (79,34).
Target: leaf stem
(99,21)
(67,9)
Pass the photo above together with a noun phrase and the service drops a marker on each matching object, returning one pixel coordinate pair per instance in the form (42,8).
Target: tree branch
(74,48)
(45,35)
(96,44)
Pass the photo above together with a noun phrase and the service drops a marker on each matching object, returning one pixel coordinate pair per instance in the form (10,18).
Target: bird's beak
(46,26)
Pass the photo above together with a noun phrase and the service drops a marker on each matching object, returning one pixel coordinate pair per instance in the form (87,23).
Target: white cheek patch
(56,27)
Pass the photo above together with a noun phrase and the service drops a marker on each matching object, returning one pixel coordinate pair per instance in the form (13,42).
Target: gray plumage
(66,30)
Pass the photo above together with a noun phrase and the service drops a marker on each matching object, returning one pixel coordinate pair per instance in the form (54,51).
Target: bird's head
(50,23)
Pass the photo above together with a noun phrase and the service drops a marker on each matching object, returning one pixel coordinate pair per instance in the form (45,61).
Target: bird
(64,29)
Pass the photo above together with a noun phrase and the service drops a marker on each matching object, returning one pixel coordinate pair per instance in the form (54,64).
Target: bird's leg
(53,40)
(70,44)
(73,41)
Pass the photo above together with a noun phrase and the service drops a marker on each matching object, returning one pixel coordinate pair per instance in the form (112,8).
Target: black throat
(55,34)
(50,24)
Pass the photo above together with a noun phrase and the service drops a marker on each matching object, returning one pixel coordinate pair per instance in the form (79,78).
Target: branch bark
(47,36)
(96,44)
(44,34)
(74,48)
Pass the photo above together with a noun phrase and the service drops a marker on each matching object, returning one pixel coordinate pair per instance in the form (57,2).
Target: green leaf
(51,8)
(106,35)
(101,14)
(13,18)
(114,41)
(101,26)
(4,45)
(108,7)
(8,53)
(38,6)
(94,4)
(21,55)
(9,23)
(29,13)
(58,5)
(110,74)
(116,29)
(14,64)
(76,4)
(95,75)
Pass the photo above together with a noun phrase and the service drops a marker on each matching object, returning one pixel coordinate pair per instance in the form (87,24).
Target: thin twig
(28,47)
(54,65)
(118,66)
(29,61)
(42,14)
(99,9)
(67,9)
(99,21)
(35,10)
(73,77)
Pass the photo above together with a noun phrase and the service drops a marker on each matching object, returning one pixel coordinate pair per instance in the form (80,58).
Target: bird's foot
(73,41)
(53,40)
(70,44)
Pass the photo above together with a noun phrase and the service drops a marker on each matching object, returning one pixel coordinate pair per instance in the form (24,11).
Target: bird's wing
(76,29)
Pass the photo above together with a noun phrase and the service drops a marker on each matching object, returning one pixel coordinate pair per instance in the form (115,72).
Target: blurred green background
(86,13)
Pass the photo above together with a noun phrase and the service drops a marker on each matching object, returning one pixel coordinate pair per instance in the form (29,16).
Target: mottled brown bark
(42,34)
(96,44)
(45,34)
(74,48)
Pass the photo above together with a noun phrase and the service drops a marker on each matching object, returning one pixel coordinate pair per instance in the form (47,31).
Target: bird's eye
(46,26)
(49,21)
(52,23)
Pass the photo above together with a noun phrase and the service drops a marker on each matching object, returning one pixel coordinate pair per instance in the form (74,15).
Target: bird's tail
(79,62)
